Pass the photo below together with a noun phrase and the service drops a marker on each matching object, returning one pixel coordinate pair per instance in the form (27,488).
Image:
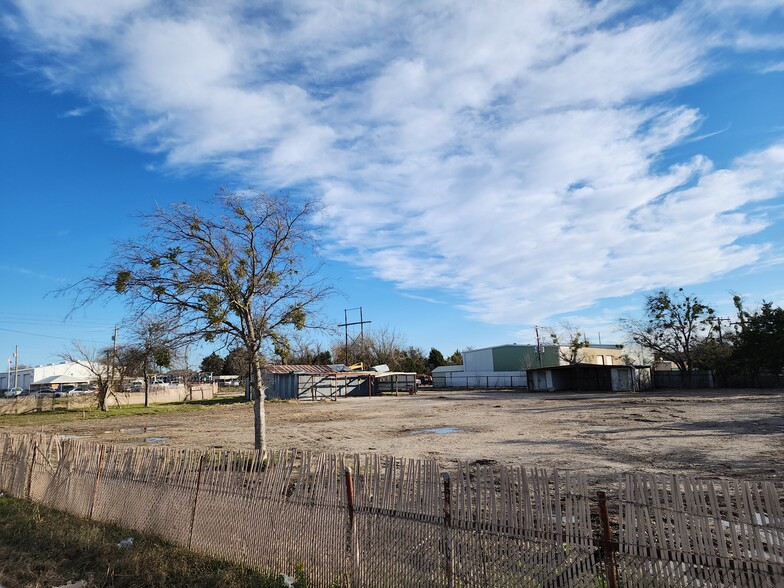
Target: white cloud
(76,112)
(512,152)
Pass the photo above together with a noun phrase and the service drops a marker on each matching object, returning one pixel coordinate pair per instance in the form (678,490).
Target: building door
(621,379)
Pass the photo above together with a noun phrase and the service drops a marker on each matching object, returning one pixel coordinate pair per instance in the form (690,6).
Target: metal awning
(48,381)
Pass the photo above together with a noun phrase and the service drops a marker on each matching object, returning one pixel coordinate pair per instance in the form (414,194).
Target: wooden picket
(386,521)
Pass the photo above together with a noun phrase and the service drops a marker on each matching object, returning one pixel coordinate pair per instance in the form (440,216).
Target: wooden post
(448,549)
(196,499)
(97,480)
(353,540)
(30,473)
(607,550)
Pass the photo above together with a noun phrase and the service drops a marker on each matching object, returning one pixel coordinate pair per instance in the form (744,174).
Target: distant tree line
(375,347)
(742,350)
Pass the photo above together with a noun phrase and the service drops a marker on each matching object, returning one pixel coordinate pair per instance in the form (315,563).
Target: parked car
(13,392)
(79,390)
(424,379)
(42,392)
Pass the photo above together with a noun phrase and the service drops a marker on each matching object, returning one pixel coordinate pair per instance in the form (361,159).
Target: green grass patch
(61,415)
(44,547)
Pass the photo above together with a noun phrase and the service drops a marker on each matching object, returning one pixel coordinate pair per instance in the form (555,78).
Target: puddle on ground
(139,430)
(155,439)
(438,431)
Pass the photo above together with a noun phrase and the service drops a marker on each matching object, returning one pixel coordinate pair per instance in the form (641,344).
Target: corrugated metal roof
(306,369)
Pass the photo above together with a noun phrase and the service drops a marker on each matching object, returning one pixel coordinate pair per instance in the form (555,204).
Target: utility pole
(361,322)
(720,320)
(538,345)
(16,367)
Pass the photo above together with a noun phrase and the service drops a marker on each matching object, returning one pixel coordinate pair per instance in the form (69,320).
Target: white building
(26,377)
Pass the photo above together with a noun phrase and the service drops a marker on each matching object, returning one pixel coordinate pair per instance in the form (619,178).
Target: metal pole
(449,551)
(345,324)
(16,367)
(361,333)
(607,551)
(196,499)
(30,474)
(353,543)
(538,346)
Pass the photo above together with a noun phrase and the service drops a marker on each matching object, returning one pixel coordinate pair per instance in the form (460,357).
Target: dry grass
(43,547)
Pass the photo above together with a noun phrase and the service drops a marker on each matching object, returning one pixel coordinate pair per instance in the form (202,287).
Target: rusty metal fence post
(352,539)
(608,547)
(196,499)
(30,472)
(448,548)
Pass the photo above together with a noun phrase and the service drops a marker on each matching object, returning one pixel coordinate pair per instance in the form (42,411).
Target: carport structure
(57,382)
(582,377)
(330,382)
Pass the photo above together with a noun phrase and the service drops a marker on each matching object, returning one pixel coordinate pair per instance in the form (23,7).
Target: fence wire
(384,521)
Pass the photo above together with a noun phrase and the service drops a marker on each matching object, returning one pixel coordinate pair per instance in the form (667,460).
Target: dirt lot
(709,433)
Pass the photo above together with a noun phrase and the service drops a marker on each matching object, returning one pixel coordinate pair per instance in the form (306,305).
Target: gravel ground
(710,433)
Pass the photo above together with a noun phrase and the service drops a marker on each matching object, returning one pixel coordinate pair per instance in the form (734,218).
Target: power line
(51,336)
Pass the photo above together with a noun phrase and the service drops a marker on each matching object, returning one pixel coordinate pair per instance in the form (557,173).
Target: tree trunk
(103,392)
(685,372)
(146,389)
(259,420)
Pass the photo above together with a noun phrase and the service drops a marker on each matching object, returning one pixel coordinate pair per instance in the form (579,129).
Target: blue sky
(483,168)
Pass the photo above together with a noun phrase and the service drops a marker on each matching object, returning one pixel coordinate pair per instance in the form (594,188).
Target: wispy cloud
(777,67)
(422,298)
(75,112)
(23,271)
(512,153)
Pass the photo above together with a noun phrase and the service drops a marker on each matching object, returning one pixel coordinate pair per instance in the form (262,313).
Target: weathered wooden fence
(383,521)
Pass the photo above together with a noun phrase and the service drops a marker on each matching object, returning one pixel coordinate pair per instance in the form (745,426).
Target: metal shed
(330,382)
(582,377)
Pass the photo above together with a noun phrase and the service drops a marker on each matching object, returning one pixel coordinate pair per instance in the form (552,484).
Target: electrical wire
(51,336)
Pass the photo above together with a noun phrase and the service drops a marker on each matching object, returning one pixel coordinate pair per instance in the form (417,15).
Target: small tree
(98,363)
(413,360)
(570,341)
(238,270)
(151,350)
(435,359)
(237,362)
(716,355)
(213,363)
(455,359)
(674,322)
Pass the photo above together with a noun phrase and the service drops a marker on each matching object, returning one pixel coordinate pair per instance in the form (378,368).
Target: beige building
(596,354)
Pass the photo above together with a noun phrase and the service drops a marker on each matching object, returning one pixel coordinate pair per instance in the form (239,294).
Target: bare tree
(152,348)
(570,341)
(307,352)
(384,345)
(98,363)
(238,271)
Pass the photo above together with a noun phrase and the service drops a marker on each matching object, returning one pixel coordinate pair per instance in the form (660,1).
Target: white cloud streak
(512,152)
